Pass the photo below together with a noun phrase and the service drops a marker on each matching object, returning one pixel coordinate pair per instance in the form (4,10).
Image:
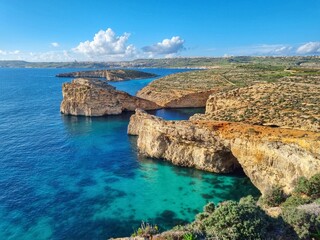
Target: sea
(69,177)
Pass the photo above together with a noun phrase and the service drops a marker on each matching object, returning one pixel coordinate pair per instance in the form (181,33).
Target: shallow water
(66,177)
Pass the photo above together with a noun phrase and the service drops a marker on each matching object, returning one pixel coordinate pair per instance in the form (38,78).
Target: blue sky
(103,30)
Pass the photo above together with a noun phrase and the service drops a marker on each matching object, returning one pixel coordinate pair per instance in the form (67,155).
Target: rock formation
(110,75)
(92,97)
(181,143)
(287,104)
(269,156)
(190,89)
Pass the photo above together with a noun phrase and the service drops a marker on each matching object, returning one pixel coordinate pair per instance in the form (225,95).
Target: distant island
(110,75)
(185,62)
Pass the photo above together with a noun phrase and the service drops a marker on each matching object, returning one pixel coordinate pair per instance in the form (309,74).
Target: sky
(117,30)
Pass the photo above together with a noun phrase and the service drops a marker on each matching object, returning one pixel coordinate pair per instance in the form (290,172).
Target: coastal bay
(80,178)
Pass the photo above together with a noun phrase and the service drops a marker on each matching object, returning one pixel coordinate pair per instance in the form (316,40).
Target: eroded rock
(269,156)
(92,97)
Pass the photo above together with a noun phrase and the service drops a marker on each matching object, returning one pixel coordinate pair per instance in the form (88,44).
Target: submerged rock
(92,97)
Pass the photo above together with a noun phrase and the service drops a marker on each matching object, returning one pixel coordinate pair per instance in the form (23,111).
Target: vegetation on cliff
(298,217)
(223,80)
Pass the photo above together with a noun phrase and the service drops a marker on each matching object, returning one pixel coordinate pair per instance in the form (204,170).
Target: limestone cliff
(110,75)
(92,97)
(182,143)
(190,89)
(268,156)
(175,98)
(287,104)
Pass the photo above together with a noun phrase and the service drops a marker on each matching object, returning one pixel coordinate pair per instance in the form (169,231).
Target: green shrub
(294,201)
(310,187)
(243,220)
(306,225)
(146,230)
(274,197)
(202,216)
(209,208)
(314,186)
(302,186)
(189,236)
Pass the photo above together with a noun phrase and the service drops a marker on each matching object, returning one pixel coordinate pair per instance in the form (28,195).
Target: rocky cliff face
(181,143)
(269,156)
(190,89)
(287,104)
(90,97)
(176,98)
(110,75)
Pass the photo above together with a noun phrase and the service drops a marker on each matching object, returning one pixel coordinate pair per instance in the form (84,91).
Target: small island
(93,97)
(109,75)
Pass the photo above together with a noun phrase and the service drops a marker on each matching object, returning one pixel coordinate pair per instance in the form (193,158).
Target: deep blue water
(65,177)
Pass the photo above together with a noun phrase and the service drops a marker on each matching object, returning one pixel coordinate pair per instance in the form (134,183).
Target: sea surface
(66,177)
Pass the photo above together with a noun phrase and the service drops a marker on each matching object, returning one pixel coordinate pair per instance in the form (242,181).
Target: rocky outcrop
(109,75)
(92,97)
(286,104)
(176,99)
(269,156)
(189,89)
(181,143)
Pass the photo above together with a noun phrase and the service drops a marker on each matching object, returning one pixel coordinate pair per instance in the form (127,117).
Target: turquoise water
(66,177)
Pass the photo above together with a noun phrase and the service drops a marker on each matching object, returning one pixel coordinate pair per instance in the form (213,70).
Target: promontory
(93,97)
(110,75)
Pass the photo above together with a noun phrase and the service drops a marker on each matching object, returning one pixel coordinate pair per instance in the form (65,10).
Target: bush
(314,186)
(310,187)
(306,225)
(294,201)
(146,230)
(189,236)
(243,220)
(274,197)
(209,208)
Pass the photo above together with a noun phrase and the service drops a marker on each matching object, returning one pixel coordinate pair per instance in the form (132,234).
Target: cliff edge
(92,97)
(269,156)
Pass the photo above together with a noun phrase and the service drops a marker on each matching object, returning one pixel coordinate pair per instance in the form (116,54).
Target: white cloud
(15,52)
(55,44)
(106,44)
(38,56)
(263,50)
(309,48)
(167,46)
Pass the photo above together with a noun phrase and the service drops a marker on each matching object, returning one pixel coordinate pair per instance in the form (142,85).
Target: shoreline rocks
(269,156)
(93,97)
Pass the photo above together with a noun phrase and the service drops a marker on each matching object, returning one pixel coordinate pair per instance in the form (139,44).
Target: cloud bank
(264,50)
(8,53)
(107,46)
(106,43)
(167,46)
(309,48)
